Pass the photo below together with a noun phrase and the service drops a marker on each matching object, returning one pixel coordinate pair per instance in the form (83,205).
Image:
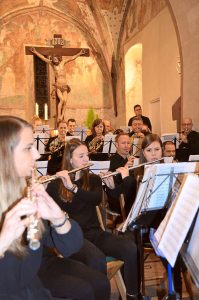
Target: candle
(36,109)
(45,111)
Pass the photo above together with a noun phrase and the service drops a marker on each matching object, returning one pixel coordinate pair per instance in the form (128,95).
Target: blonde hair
(12,187)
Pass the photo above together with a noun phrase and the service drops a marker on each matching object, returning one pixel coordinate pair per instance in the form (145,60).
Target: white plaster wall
(159,74)
(186,13)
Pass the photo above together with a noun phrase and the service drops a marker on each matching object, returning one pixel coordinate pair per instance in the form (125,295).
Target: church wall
(160,77)
(186,14)
(16,69)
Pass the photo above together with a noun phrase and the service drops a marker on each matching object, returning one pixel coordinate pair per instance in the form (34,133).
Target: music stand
(152,200)
(81,132)
(172,137)
(109,144)
(41,166)
(41,137)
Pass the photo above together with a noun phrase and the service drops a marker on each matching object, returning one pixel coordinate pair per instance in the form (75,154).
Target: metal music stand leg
(171,295)
(141,230)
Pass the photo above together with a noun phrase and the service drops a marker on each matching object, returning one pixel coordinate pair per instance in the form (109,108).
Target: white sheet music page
(142,193)
(193,244)
(162,184)
(178,219)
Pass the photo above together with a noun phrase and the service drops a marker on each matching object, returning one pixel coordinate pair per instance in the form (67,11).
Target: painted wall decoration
(16,69)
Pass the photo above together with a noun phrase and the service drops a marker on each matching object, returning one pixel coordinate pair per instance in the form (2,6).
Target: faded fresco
(83,75)
(140,13)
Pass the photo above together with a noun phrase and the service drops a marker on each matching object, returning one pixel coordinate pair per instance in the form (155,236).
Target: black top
(69,134)
(82,208)
(98,155)
(193,143)
(145,120)
(56,147)
(18,276)
(127,186)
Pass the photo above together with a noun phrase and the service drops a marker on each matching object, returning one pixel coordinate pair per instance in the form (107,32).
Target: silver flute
(32,229)
(53,177)
(131,168)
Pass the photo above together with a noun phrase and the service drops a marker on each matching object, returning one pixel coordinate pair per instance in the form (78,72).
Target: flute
(53,177)
(131,168)
(32,229)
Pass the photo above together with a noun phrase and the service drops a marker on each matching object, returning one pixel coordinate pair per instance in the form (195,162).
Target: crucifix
(53,57)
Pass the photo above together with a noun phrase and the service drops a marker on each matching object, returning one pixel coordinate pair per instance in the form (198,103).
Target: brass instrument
(96,143)
(131,168)
(32,229)
(53,177)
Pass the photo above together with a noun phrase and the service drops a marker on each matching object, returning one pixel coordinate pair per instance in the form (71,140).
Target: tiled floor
(155,281)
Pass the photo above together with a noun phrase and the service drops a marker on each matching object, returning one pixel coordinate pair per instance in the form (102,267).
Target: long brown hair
(66,165)
(95,123)
(147,141)
(12,187)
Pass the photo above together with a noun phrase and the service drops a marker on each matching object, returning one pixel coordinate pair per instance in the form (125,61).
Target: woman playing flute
(18,263)
(79,194)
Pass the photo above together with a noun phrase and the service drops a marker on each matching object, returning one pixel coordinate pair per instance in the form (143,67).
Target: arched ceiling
(105,24)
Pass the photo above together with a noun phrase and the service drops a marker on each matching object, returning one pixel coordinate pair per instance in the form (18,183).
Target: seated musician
(136,135)
(56,147)
(79,194)
(169,149)
(152,150)
(95,141)
(71,124)
(127,185)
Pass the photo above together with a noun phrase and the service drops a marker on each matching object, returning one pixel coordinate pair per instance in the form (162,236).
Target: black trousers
(65,277)
(120,247)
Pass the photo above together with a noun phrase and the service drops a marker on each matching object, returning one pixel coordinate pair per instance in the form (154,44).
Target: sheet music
(193,244)
(109,143)
(171,233)
(141,195)
(81,132)
(155,187)
(99,166)
(40,141)
(162,182)
(173,137)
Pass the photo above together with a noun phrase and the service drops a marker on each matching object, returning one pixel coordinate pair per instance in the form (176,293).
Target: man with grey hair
(189,138)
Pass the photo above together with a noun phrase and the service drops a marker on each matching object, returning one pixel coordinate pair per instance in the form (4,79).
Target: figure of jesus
(61,86)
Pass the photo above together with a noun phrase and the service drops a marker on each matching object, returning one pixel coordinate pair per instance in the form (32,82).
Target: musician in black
(55,147)
(79,198)
(95,141)
(189,138)
(126,186)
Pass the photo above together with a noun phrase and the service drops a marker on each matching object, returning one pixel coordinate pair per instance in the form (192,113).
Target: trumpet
(53,177)
(32,230)
(131,168)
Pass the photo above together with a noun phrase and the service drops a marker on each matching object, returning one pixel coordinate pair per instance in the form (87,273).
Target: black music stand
(109,144)
(147,215)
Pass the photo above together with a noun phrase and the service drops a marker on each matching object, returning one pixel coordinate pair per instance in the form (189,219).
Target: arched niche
(133,78)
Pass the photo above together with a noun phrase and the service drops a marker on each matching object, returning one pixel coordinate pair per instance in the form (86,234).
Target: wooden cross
(57,43)
(55,50)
